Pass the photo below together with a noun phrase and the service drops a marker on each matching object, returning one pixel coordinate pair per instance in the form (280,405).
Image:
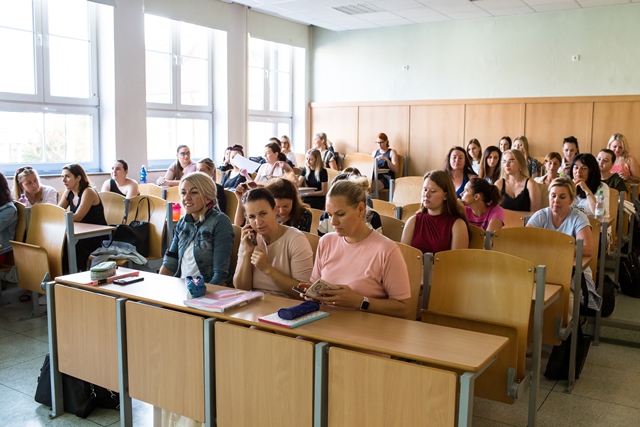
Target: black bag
(77,394)
(135,233)
(629,278)
(558,364)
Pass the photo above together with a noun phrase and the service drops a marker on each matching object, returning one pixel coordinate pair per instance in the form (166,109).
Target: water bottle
(23,199)
(599,212)
(143,175)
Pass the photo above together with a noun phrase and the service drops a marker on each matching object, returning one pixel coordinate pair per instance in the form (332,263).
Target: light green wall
(505,57)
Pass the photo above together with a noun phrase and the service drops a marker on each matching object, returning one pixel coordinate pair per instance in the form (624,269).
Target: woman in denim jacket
(203,238)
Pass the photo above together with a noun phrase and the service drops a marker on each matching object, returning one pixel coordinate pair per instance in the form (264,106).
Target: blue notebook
(274,319)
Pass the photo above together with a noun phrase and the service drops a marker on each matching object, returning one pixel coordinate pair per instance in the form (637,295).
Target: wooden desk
(452,349)
(77,231)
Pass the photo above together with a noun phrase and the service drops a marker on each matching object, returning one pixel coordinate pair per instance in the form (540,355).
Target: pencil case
(298,310)
(103,270)
(196,286)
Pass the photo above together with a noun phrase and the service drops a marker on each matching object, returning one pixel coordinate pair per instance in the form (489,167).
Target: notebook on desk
(274,319)
(221,301)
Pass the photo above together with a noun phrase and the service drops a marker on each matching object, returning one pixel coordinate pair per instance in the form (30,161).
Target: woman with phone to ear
(272,257)
(367,266)
(203,238)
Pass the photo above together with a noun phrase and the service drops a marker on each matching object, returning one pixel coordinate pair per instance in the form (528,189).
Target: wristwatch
(364,305)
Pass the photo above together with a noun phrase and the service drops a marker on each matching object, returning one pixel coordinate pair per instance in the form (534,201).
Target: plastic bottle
(599,211)
(23,199)
(143,175)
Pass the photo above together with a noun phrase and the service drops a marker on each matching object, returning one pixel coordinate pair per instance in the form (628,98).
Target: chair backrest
(114,207)
(477,237)
(514,218)
(47,229)
(297,171)
(331,174)
(362,161)
(408,210)
(596,229)
(236,246)
(384,208)
(232,204)
(414,260)
(313,241)
(402,166)
(407,190)
(492,291)
(544,195)
(218,176)
(150,190)
(172,194)
(542,247)
(300,159)
(392,228)
(21,226)
(315,220)
(157,221)
(614,199)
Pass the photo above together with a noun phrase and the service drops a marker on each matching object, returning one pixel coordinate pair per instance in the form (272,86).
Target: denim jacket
(8,221)
(212,246)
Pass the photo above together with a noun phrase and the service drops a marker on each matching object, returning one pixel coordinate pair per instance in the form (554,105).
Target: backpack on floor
(629,278)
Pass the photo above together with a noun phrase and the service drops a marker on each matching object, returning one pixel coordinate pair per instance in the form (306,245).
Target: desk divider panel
(165,350)
(87,336)
(262,378)
(372,391)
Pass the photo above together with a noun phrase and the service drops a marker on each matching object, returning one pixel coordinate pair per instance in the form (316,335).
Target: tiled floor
(605,395)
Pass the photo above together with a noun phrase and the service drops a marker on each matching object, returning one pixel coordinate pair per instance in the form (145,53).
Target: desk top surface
(81,228)
(437,345)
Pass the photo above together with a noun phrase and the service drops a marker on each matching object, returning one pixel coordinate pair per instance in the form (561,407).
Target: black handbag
(135,233)
(78,395)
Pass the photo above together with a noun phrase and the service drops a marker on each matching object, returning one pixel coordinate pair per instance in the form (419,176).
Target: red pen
(112,278)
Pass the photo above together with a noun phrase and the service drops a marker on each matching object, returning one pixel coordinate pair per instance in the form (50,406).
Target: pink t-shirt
(373,267)
(190,168)
(621,167)
(484,220)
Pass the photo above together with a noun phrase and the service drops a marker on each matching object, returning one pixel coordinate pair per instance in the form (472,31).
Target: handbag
(78,395)
(135,233)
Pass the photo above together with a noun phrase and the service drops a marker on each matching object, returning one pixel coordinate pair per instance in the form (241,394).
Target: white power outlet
(575,58)
(405,67)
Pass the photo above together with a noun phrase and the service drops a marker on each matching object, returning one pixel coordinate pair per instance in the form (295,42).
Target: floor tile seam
(23,361)
(599,365)
(596,399)
(495,421)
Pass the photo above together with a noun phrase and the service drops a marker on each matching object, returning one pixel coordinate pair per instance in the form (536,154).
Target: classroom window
(261,129)
(48,84)
(179,89)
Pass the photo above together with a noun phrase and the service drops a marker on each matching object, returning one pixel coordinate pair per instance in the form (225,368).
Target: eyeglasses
(26,168)
(185,153)
(508,162)
(379,142)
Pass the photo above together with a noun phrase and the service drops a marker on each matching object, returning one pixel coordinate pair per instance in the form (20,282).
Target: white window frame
(42,101)
(266,111)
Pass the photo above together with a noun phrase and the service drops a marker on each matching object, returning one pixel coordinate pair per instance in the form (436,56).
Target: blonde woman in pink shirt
(376,278)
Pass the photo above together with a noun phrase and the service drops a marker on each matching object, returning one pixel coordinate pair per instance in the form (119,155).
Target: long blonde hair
(20,175)
(319,164)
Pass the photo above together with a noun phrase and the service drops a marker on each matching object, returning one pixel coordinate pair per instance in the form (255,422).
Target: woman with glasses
(84,201)
(519,193)
(182,166)
(27,182)
(287,150)
(458,166)
(119,182)
(586,177)
(386,158)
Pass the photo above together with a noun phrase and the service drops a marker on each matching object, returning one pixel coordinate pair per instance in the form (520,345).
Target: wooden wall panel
(392,120)
(340,124)
(547,124)
(434,129)
(490,122)
(616,117)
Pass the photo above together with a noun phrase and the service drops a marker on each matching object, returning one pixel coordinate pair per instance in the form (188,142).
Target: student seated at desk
(272,257)
(482,204)
(314,175)
(586,177)
(203,238)
(84,201)
(368,267)
(441,224)
(606,159)
(119,182)
(181,167)
(563,217)
(27,182)
(519,192)
(275,166)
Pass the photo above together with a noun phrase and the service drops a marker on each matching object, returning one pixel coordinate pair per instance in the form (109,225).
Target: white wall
(505,57)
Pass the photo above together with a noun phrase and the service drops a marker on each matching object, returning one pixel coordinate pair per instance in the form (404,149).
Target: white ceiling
(391,13)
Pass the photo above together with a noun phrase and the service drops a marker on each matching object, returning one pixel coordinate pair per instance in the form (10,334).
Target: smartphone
(252,234)
(299,290)
(128,280)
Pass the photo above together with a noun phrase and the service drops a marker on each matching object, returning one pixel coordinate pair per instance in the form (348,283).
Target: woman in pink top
(441,223)
(368,267)
(626,165)
(182,166)
(482,204)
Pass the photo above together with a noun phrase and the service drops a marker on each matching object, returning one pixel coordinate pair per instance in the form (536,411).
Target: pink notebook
(224,300)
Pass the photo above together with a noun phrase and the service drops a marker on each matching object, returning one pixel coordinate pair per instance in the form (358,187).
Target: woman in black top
(232,177)
(119,182)
(85,203)
(314,175)
(519,192)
